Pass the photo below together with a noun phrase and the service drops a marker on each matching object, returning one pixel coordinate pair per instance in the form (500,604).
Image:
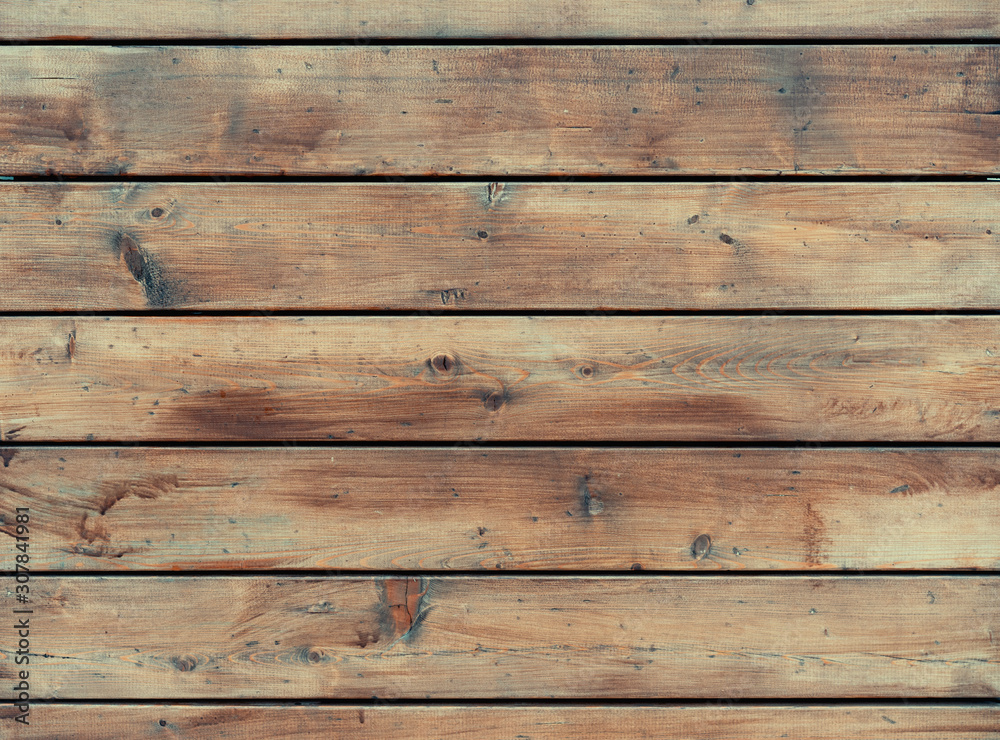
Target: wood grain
(515,637)
(499,246)
(623,378)
(317,19)
(488,508)
(205,722)
(634,110)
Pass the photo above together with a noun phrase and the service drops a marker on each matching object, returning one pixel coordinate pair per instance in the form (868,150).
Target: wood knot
(185,663)
(403,608)
(444,364)
(494,191)
(132,255)
(586,372)
(482,234)
(590,500)
(701,547)
(156,212)
(315,656)
(493,401)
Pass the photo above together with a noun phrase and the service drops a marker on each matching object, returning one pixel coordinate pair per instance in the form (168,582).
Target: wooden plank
(318,19)
(202,722)
(896,378)
(499,245)
(514,637)
(488,508)
(542,110)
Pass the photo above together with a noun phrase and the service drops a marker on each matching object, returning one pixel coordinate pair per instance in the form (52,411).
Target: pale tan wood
(701,22)
(633,110)
(488,508)
(625,378)
(517,637)
(724,722)
(499,245)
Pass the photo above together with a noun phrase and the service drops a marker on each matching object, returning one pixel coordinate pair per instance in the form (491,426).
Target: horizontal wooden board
(499,245)
(318,19)
(725,722)
(514,637)
(488,508)
(540,110)
(895,378)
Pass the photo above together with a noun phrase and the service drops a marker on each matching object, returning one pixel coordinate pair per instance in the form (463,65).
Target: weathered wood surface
(318,19)
(428,509)
(633,110)
(517,637)
(439,378)
(744,722)
(488,246)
